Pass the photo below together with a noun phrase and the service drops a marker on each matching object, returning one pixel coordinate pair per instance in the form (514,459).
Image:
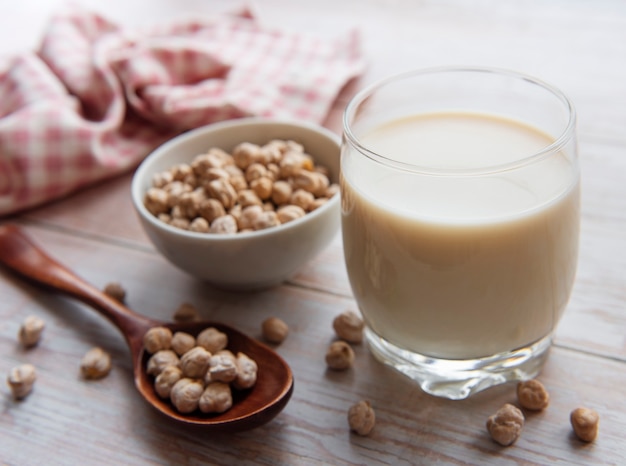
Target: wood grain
(578,46)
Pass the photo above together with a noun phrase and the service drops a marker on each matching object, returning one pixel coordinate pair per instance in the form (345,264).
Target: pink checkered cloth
(96,98)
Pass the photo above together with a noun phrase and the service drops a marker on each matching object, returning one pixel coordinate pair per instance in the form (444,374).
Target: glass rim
(556,146)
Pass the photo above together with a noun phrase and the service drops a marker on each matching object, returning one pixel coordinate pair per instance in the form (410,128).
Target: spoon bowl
(251,408)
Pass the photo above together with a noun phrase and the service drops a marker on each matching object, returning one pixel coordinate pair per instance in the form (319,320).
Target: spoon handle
(19,253)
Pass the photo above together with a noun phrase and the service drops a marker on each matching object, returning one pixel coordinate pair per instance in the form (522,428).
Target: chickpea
(246,372)
(239,183)
(195,362)
(212,340)
(317,203)
(160,360)
(274,330)
(95,364)
(234,171)
(245,154)
(302,198)
(331,190)
(505,426)
(116,291)
(185,394)
(181,171)
(266,219)
(247,198)
(223,191)
(281,192)
(166,379)
(199,225)
(292,163)
(273,171)
(216,398)
(21,380)
(222,367)
(262,187)
(210,209)
(215,173)
(174,191)
(181,223)
(161,179)
(313,182)
(532,395)
(349,327)
(255,171)
(190,202)
(156,201)
(156,339)
(288,213)
(30,331)
(182,342)
(340,356)
(186,312)
(224,225)
(249,216)
(585,423)
(361,417)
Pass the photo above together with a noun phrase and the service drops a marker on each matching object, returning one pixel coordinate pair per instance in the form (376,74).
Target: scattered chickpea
(585,423)
(274,330)
(195,362)
(340,356)
(186,312)
(505,426)
(166,379)
(157,339)
(246,372)
(216,398)
(115,291)
(160,360)
(532,395)
(95,364)
(349,327)
(212,340)
(361,417)
(182,342)
(30,331)
(185,394)
(21,380)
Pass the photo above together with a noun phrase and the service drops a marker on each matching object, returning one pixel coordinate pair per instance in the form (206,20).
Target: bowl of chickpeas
(241,204)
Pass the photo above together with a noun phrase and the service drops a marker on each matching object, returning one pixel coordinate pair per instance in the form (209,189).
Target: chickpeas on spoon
(251,408)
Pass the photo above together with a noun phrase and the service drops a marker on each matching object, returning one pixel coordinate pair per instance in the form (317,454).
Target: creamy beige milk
(460,267)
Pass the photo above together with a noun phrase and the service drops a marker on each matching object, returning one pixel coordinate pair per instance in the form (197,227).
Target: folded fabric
(96,98)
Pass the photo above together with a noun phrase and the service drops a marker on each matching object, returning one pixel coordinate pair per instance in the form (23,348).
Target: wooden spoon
(251,408)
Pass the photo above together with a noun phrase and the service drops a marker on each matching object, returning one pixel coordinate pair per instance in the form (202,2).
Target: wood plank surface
(577,45)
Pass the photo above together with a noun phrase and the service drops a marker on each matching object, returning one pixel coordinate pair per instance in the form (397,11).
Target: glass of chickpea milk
(460,217)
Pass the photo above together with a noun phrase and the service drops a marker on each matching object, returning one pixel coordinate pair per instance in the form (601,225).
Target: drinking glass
(460,221)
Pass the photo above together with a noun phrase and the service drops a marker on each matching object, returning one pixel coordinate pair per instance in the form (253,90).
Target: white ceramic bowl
(252,260)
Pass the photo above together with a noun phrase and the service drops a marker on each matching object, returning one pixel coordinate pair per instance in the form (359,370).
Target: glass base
(458,379)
